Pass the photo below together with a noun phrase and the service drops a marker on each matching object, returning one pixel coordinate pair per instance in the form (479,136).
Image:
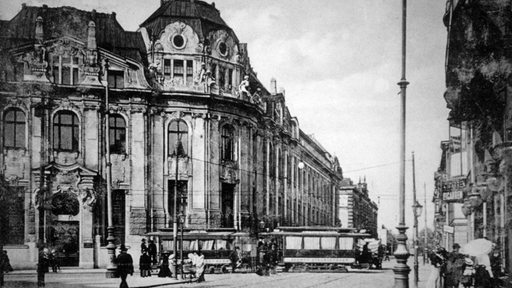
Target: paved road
(363,278)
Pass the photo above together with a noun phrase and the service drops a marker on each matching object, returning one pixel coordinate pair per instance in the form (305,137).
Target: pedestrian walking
(454,267)
(143,246)
(469,272)
(145,264)
(152,251)
(43,266)
(235,259)
(124,263)
(164,266)
(5,266)
(437,260)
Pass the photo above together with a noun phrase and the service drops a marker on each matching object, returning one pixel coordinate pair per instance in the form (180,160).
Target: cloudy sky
(339,62)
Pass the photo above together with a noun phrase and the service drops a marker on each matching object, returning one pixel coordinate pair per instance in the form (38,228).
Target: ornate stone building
(185,110)
(478,70)
(356,209)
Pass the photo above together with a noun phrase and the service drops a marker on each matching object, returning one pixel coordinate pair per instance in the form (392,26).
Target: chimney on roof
(113,15)
(273,86)
(23,5)
(45,6)
(213,4)
(91,36)
(39,29)
(93,13)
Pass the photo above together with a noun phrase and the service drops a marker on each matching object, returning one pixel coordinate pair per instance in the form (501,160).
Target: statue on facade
(243,88)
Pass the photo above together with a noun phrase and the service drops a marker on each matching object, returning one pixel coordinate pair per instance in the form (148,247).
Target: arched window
(65,131)
(228,143)
(117,137)
(178,138)
(14,128)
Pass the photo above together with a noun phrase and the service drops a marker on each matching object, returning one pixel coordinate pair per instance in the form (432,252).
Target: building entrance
(65,242)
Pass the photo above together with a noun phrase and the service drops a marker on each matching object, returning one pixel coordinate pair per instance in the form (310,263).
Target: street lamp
(417,209)
(111,247)
(401,268)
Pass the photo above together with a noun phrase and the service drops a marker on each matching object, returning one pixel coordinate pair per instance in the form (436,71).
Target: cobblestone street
(358,278)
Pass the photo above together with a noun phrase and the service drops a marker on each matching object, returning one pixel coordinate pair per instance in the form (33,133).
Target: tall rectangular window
(178,70)
(222,77)
(190,71)
(117,137)
(14,128)
(167,67)
(65,131)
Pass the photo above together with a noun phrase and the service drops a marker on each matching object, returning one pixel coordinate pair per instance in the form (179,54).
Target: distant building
(356,209)
(186,111)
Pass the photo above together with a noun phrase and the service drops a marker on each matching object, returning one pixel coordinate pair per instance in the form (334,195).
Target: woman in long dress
(437,260)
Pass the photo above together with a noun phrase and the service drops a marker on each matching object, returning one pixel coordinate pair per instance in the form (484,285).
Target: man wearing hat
(454,267)
(124,263)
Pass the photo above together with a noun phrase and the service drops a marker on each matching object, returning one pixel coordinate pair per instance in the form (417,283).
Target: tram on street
(311,249)
(215,244)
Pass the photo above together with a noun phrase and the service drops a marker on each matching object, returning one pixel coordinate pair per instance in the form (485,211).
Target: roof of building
(69,21)
(201,16)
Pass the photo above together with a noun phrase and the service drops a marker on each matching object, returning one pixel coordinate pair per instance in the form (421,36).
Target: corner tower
(191,49)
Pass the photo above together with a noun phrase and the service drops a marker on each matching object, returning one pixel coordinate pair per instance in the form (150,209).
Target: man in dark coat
(145,264)
(454,268)
(143,246)
(152,251)
(5,266)
(235,258)
(43,266)
(124,263)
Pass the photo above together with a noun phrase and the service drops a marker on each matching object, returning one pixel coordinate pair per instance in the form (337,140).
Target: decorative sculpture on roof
(243,88)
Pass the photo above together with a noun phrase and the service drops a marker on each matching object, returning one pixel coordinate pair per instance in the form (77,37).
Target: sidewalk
(87,278)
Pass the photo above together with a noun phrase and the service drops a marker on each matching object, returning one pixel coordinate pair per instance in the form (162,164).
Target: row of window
(66,134)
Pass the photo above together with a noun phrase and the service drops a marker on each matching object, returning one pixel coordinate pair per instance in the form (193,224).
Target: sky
(339,63)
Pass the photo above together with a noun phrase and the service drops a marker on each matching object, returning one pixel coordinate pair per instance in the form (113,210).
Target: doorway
(65,242)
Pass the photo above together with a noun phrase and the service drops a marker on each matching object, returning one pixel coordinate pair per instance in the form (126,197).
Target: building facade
(356,209)
(474,201)
(186,114)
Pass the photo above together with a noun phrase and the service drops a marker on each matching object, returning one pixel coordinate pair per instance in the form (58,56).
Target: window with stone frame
(167,68)
(116,79)
(117,137)
(228,143)
(222,77)
(14,128)
(178,138)
(178,70)
(189,71)
(65,69)
(65,131)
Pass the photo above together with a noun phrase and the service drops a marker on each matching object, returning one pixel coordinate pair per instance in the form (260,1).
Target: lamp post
(417,208)
(401,268)
(111,247)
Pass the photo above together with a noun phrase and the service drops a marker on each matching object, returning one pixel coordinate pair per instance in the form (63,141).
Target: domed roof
(201,16)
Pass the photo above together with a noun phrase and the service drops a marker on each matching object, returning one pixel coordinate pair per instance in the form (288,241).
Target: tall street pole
(415,207)
(42,192)
(111,247)
(425,232)
(175,224)
(401,269)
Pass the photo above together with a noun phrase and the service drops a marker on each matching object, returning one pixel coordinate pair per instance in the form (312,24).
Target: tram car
(215,244)
(312,249)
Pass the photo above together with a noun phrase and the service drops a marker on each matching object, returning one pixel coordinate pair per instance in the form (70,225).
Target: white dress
(435,280)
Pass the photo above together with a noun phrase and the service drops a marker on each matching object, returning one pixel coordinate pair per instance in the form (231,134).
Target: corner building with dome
(185,110)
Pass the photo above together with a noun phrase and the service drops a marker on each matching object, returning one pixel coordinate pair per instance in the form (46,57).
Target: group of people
(451,269)
(148,257)
(268,257)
